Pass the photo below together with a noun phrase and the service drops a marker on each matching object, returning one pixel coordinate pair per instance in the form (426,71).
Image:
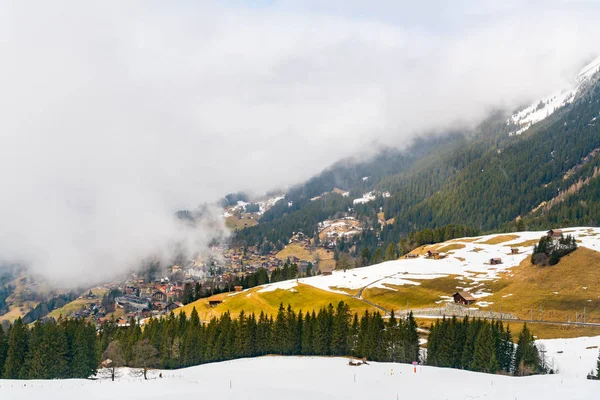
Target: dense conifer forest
(487,180)
(69,348)
(482,346)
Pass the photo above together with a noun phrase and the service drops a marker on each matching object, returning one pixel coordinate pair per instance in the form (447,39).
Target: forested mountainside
(487,179)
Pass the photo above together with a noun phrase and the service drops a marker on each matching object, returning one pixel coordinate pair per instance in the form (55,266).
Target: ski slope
(302,378)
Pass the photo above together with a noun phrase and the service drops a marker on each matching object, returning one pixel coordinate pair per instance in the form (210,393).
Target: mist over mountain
(117,117)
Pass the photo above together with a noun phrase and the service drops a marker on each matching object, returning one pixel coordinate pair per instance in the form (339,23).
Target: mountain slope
(486,179)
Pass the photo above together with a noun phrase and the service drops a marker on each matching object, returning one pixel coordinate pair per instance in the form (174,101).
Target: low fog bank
(116,117)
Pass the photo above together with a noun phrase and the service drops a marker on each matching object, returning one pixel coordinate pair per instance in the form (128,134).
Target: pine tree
(376,349)
(412,339)
(59,356)
(484,349)
(307,334)
(472,330)
(36,361)
(280,331)
(299,328)
(526,361)
(506,351)
(83,364)
(393,339)
(14,366)
(3,349)
(493,365)
(341,330)
(377,257)
(354,335)
(391,252)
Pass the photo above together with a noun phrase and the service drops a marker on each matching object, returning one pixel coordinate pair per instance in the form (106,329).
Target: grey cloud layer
(115,117)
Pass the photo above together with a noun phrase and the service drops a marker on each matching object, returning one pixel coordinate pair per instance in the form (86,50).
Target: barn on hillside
(464,298)
(555,233)
(433,254)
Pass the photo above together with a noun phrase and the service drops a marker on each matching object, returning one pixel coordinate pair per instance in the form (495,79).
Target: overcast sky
(114,115)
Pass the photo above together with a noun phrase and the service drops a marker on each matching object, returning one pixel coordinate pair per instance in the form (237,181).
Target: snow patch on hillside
(367,197)
(573,358)
(542,109)
(284,285)
(471,262)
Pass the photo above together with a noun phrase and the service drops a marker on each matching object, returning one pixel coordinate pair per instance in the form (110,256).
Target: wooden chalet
(214,303)
(514,250)
(433,254)
(412,255)
(464,298)
(495,261)
(555,233)
(326,271)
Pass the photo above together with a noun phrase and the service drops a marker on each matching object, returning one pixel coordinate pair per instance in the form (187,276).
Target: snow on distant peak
(544,108)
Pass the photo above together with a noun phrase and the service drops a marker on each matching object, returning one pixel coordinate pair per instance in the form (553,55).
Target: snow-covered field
(471,262)
(572,358)
(312,378)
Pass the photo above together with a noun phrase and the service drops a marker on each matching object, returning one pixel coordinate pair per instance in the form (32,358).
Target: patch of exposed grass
(329,264)
(526,243)
(244,221)
(423,295)
(545,331)
(324,254)
(295,249)
(70,308)
(533,285)
(466,240)
(540,331)
(303,297)
(18,311)
(450,247)
(350,292)
(500,239)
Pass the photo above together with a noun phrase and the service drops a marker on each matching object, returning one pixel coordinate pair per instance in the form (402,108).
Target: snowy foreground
(315,378)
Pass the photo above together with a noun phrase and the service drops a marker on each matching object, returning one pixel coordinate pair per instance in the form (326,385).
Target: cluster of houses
(239,262)
(331,231)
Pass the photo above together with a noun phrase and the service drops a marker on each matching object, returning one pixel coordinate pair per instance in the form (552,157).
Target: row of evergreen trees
(184,342)
(70,348)
(483,346)
(48,350)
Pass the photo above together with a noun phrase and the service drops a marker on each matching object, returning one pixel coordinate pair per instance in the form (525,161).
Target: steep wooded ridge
(489,179)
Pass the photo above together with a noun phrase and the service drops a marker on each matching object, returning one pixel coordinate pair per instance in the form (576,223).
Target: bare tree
(113,358)
(145,356)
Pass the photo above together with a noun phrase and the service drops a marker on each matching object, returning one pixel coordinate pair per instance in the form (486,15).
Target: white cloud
(115,116)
